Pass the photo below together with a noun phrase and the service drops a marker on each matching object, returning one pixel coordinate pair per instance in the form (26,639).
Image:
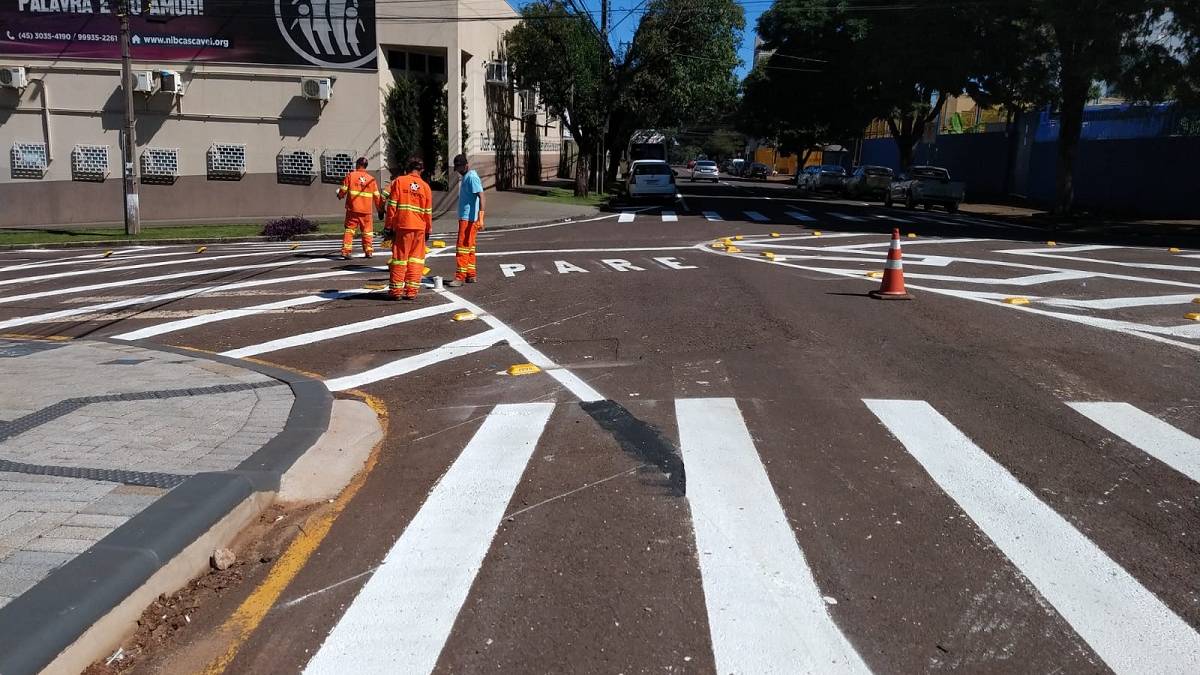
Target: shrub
(283,229)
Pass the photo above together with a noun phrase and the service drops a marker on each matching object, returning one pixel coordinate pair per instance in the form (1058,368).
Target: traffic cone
(893,274)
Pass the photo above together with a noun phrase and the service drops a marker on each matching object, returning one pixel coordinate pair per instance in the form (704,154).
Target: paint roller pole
(133,217)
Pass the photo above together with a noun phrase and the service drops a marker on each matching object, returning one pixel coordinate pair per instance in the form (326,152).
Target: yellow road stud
(465,316)
(437,243)
(739,237)
(425,272)
(107,253)
(719,245)
(523,369)
(202,249)
(912,235)
(1052,243)
(375,287)
(1016,301)
(768,255)
(1174,249)
(732,249)
(816,233)
(774,234)
(295,246)
(875,275)
(1196,301)
(1192,316)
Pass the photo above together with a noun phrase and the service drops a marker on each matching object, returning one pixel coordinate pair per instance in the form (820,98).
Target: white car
(650,178)
(706,170)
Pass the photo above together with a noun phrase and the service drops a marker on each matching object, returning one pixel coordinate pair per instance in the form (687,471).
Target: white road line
(1029,280)
(1147,433)
(713,216)
(228,314)
(89,258)
(894,219)
(139,266)
(1063,249)
(72,290)
(844,216)
(756,216)
(582,250)
(403,615)
(173,295)
(1116,263)
(1127,626)
(669,217)
(573,383)
(1120,303)
(765,611)
(626,217)
(796,215)
(463,347)
(340,331)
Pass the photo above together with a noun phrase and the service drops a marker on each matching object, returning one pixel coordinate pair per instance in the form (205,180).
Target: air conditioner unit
(496,72)
(13,77)
(172,82)
(145,82)
(317,88)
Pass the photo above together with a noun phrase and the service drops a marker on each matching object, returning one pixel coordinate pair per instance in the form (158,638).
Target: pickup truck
(927,186)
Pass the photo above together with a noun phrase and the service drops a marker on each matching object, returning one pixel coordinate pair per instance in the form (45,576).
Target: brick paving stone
(96,520)
(59,545)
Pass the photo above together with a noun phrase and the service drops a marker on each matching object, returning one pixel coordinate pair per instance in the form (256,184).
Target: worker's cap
(416,164)
(460,160)
(361,162)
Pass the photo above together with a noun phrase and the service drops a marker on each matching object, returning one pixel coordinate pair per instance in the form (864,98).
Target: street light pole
(133,220)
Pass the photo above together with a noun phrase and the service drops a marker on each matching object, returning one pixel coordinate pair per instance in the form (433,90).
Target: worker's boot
(454,284)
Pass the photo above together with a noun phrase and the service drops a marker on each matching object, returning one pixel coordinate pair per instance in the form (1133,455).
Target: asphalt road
(728,463)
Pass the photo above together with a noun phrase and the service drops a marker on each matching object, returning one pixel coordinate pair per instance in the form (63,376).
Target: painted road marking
(1127,626)
(796,215)
(228,314)
(765,611)
(72,290)
(173,295)
(1119,303)
(669,217)
(404,613)
(566,267)
(1147,433)
(340,331)
(844,216)
(626,217)
(463,347)
(713,216)
(756,216)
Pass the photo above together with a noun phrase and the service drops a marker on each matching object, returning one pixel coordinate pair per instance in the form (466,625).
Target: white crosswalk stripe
(626,217)
(404,613)
(1149,434)
(804,218)
(756,216)
(1122,621)
(844,216)
(713,216)
(765,611)
(669,217)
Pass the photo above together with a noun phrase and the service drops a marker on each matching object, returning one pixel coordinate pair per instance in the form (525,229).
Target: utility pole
(603,165)
(133,218)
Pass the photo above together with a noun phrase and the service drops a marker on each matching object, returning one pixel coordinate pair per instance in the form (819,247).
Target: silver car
(706,170)
(869,181)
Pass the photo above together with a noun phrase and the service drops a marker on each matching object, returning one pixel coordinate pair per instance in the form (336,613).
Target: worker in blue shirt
(470,222)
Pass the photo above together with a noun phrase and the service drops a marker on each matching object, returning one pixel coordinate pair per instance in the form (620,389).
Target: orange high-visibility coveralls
(410,218)
(464,252)
(362,196)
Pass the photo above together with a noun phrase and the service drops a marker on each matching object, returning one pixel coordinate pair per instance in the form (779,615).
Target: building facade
(244,114)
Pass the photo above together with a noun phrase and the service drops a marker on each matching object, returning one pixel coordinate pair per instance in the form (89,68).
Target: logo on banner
(328,33)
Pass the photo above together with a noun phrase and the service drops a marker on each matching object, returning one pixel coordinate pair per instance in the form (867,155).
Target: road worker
(410,220)
(470,222)
(363,198)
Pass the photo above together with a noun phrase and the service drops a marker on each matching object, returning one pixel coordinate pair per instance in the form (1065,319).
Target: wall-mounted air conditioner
(13,77)
(172,82)
(145,81)
(317,88)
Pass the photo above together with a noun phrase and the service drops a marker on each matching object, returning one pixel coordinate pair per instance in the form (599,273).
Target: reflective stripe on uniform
(416,261)
(394,261)
(360,193)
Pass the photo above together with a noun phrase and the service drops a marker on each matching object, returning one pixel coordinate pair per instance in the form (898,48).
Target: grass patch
(117,234)
(558,195)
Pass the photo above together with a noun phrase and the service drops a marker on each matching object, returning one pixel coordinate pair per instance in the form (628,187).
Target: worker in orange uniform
(470,222)
(410,219)
(362,196)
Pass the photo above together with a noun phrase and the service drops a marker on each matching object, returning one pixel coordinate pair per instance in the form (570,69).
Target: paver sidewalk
(92,433)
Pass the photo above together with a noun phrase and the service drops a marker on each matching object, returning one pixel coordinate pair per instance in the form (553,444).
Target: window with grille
(89,163)
(226,161)
(29,160)
(160,165)
(335,164)
(296,166)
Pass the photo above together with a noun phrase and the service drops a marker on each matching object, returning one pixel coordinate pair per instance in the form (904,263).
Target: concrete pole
(133,216)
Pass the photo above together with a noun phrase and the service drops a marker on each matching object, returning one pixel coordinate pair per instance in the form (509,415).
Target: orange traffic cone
(893,274)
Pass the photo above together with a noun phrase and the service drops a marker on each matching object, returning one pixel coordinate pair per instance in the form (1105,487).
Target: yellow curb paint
(241,625)
(1192,316)
(437,243)
(523,369)
(27,336)
(1016,301)
(202,249)
(465,316)
(1174,249)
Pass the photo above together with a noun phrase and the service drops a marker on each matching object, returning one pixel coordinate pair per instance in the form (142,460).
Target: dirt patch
(174,621)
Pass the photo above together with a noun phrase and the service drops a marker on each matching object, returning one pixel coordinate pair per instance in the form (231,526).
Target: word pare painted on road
(510,270)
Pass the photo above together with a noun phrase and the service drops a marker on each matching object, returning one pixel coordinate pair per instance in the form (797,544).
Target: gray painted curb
(48,618)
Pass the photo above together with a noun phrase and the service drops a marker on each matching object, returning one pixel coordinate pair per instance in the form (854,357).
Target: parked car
(737,167)
(758,170)
(824,178)
(868,181)
(650,178)
(706,170)
(927,186)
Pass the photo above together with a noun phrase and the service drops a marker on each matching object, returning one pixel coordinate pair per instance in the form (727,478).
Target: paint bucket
(437,284)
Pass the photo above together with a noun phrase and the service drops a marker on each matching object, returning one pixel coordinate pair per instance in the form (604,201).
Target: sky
(623,15)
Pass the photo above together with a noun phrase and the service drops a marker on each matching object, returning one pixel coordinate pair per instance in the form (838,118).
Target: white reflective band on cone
(894,265)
